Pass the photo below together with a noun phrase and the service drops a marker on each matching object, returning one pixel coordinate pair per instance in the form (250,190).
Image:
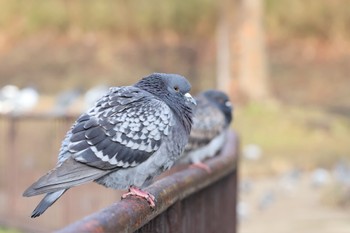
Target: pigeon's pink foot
(201,166)
(134,191)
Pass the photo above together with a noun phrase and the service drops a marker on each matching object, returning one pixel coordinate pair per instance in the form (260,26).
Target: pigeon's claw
(134,191)
(201,166)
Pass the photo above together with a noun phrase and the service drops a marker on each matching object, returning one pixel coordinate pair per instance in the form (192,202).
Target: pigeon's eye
(176,88)
(220,101)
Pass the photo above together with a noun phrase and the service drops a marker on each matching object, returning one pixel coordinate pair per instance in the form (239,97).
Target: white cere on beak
(228,104)
(190,98)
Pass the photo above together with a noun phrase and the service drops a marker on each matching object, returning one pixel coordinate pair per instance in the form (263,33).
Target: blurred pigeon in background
(27,99)
(341,172)
(246,186)
(9,92)
(266,200)
(290,179)
(212,118)
(8,96)
(243,210)
(132,134)
(320,177)
(15,100)
(252,152)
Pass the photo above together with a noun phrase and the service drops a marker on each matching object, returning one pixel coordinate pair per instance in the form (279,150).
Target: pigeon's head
(173,89)
(221,101)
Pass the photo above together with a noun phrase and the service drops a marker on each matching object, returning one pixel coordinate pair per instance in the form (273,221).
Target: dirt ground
(275,206)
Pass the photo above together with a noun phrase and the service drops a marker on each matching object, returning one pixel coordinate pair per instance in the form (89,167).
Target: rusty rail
(190,200)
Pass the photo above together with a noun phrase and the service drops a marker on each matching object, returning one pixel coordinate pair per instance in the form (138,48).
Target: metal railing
(189,200)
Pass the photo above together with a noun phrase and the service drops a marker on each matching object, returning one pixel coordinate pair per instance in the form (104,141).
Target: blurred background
(284,63)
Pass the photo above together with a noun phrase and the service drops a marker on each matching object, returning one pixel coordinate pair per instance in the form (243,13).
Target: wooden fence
(187,199)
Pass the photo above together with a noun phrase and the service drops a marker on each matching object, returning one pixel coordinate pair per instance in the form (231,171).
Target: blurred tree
(224,55)
(241,53)
(252,69)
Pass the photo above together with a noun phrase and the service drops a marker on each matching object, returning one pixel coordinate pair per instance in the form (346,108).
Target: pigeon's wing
(124,129)
(208,122)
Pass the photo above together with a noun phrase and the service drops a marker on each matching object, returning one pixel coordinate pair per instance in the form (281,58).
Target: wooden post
(252,70)
(241,53)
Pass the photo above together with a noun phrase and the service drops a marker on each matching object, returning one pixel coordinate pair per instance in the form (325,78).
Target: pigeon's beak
(228,104)
(189,98)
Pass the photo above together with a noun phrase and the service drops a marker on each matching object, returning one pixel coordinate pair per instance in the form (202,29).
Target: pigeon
(26,100)
(132,134)
(17,101)
(8,96)
(212,118)
(266,200)
(252,152)
(320,177)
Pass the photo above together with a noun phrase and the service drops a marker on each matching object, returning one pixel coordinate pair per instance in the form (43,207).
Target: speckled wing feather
(123,130)
(208,123)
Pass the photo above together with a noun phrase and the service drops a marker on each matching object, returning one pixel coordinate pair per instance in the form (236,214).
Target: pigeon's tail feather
(71,173)
(46,202)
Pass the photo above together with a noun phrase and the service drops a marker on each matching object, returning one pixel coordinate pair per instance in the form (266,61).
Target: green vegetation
(134,17)
(8,230)
(284,18)
(323,19)
(302,137)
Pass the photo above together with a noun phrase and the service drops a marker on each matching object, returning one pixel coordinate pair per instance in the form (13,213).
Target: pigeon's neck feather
(183,114)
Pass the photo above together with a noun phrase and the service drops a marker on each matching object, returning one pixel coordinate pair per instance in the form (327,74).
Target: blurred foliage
(323,19)
(134,17)
(291,136)
(8,230)
(327,19)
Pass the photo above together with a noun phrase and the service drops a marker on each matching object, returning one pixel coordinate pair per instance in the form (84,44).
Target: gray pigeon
(212,117)
(132,134)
